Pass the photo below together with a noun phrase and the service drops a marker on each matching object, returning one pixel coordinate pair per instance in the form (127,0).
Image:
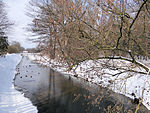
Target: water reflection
(52,92)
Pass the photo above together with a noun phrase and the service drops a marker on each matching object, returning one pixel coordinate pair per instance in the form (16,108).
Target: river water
(53,92)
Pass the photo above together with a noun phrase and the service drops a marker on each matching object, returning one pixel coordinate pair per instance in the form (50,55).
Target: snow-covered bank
(93,71)
(11,100)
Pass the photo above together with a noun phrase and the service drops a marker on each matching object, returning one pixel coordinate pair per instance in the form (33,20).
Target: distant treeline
(15,47)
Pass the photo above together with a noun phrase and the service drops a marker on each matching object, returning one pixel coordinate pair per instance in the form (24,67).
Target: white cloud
(17,14)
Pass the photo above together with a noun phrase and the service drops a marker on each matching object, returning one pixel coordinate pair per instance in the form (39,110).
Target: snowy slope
(11,100)
(7,69)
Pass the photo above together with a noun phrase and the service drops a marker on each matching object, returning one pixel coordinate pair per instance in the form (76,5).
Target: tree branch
(137,14)
(129,60)
(120,33)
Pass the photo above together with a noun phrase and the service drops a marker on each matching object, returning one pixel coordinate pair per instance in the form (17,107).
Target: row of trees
(4,26)
(79,30)
(15,47)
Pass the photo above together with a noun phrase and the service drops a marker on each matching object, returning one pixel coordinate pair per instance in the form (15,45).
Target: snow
(11,100)
(94,71)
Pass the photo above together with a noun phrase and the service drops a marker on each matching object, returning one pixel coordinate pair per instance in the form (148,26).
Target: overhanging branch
(126,59)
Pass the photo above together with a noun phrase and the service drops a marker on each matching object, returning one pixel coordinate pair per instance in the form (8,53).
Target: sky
(16,10)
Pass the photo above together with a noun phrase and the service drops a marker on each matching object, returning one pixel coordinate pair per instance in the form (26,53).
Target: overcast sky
(17,13)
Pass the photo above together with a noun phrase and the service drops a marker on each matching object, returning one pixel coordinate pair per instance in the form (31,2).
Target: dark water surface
(52,92)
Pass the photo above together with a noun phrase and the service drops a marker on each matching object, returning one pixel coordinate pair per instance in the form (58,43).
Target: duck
(135,100)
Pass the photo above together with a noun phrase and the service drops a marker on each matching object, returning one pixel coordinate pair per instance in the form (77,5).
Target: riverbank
(11,100)
(92,71)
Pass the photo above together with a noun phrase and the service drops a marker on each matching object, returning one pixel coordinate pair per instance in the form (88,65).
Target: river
(53,92)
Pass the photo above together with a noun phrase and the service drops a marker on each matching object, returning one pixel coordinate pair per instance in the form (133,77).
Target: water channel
(53,92)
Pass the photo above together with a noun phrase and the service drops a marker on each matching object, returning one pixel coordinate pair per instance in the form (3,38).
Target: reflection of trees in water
(105,101)
(63,95)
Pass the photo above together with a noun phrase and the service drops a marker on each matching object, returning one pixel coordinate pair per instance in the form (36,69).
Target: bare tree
(82,30)
(4,25)
(113,33)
